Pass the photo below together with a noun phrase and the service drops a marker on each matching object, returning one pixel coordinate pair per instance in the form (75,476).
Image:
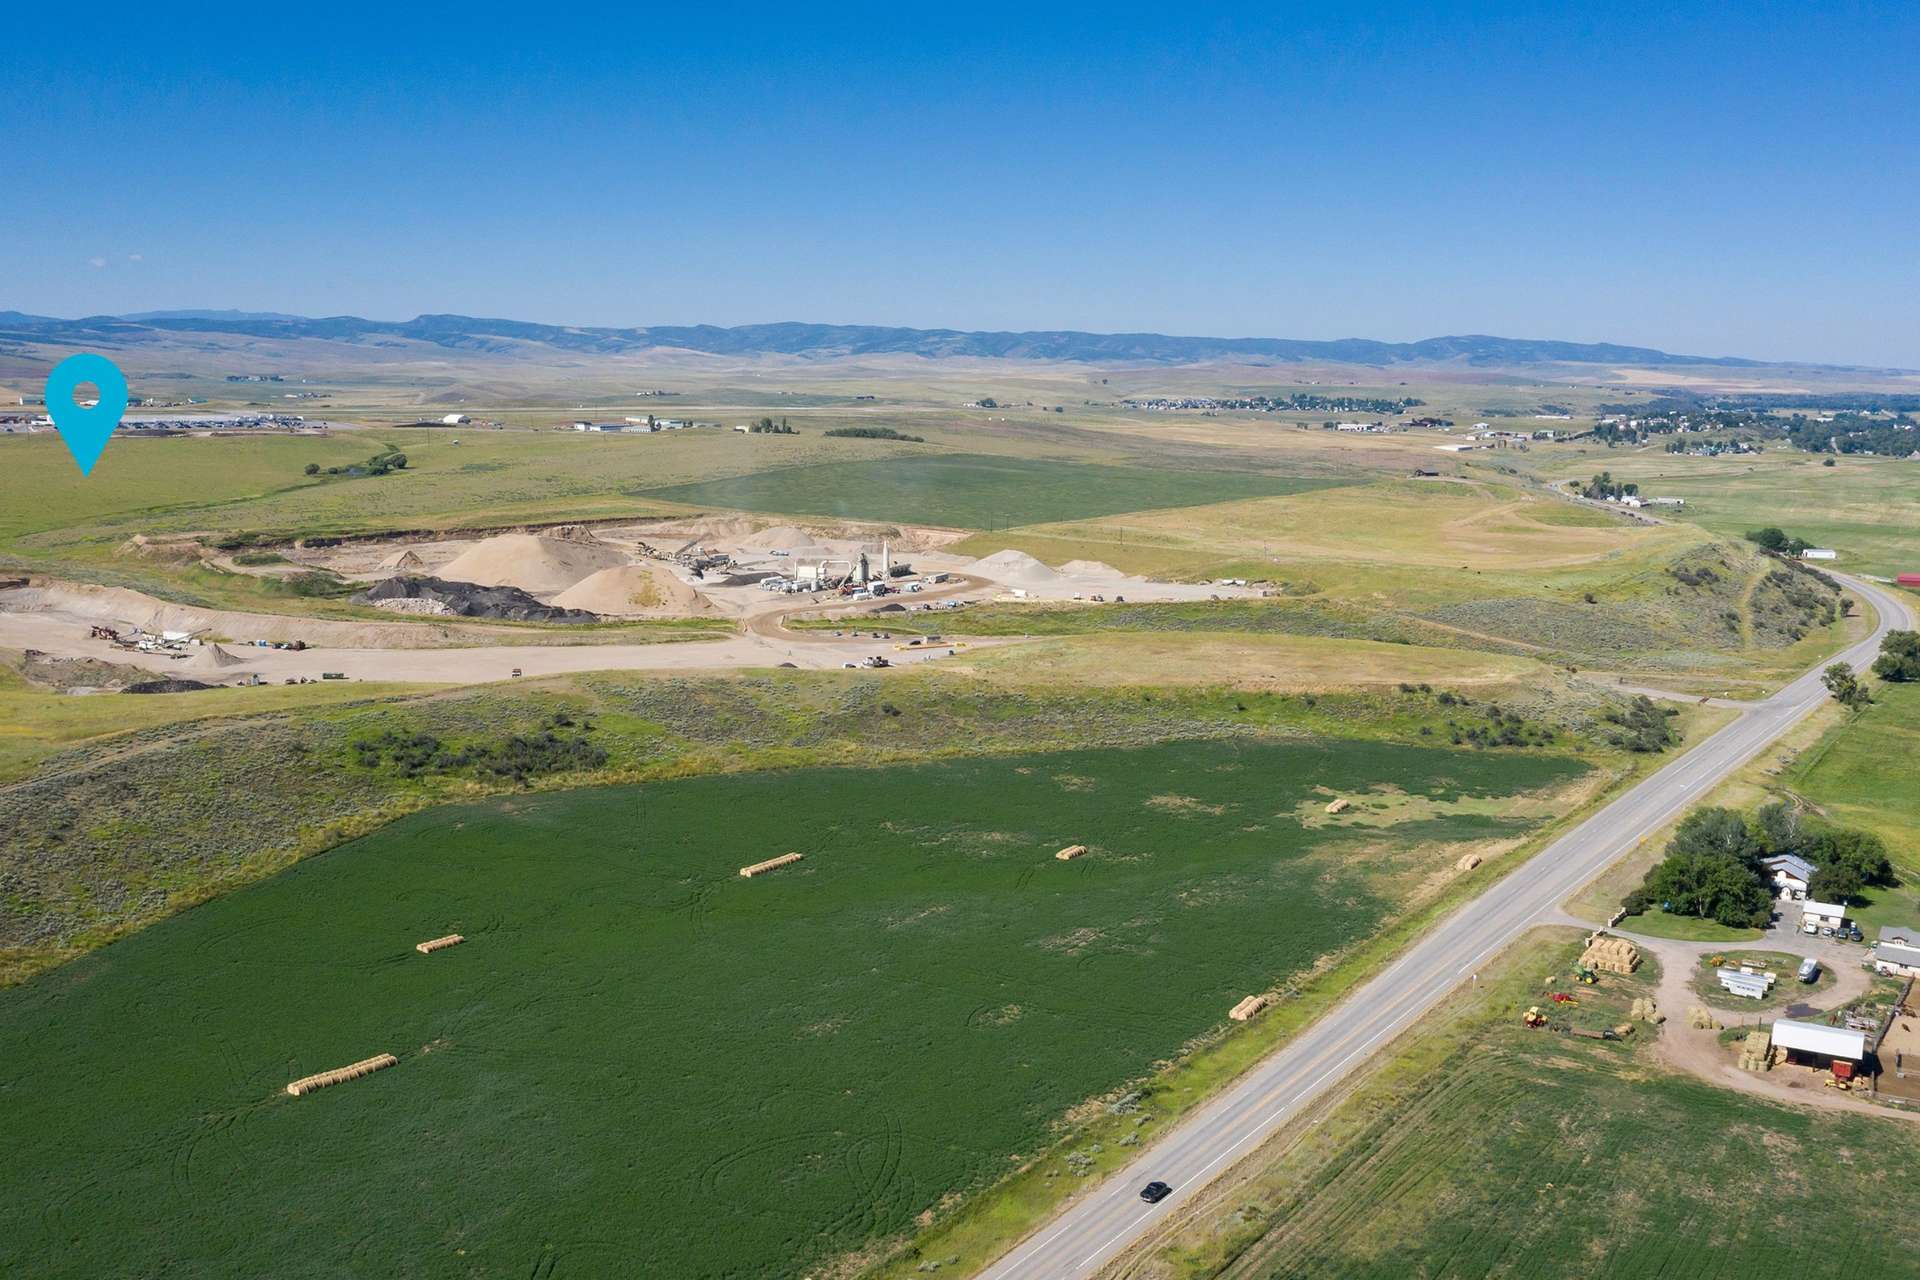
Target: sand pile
(631,591)
(211,657)
(1016,567)
(532,562)
(1090,569)
(781,537)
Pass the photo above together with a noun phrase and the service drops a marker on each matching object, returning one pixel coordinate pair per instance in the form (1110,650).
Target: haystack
(1610,955)
(1249,1007)
(340,1075)
(1071,852)
(432,945)
(1468,862)
(771,864)
(1756,1053)
(1338,806)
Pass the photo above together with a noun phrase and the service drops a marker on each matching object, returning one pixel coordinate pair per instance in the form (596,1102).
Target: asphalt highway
(1095,1228)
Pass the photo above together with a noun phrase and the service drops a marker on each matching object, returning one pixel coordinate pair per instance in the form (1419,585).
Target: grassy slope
(36,724)
(1482,1149)
(929,936)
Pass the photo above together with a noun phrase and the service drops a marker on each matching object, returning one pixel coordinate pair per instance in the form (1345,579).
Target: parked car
(1809,970)
(1826,931)
(1156,1191)
(1854,934)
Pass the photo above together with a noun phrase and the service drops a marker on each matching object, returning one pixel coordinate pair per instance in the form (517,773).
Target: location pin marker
(86,430)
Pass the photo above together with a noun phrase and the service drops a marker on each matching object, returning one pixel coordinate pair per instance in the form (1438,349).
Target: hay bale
(1338,806)
(1249,1007)
(1610,955)
(1468,862)
(432,945)
(771,864)
(1071,852)
(340,1075)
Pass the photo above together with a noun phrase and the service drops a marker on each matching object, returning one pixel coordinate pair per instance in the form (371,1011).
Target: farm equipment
(1581,973)
(1561,997)
(1533,1018)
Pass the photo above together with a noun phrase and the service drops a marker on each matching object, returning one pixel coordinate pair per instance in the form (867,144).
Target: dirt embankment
(124,610)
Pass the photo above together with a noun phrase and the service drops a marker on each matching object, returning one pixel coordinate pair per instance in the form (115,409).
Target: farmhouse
(1790,874)
(1899,958)
(1815,916)
(1809,1044)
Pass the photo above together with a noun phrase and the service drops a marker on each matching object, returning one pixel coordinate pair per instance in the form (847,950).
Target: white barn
(1791,874)
(1815,916)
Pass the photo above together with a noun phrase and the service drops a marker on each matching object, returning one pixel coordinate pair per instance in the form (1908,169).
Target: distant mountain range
(826,341)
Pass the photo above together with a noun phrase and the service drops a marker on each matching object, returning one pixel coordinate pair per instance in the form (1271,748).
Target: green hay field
(643,1064)
(976,491)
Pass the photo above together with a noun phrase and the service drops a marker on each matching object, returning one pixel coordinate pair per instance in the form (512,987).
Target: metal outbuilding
(1817,1044)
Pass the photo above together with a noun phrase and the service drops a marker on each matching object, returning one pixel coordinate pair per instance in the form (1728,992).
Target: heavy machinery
(1581,973)
(1533,1018)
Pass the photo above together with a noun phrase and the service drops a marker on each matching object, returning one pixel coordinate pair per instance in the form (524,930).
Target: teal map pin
(86,429)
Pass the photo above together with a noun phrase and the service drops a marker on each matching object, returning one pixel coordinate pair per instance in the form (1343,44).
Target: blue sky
(1730,179)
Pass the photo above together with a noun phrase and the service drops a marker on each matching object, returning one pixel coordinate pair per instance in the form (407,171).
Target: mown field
(975,491)
(642,1063)
(1486,1150)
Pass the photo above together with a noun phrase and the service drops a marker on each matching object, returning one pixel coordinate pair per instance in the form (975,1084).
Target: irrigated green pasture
(976,491)
(642,1064)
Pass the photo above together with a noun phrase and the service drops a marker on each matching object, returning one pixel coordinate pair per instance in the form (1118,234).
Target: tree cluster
(1899,660)
(389,459)
(1604,488)
(874,433)
(1642,726)
(1777,541)
(1712,867)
